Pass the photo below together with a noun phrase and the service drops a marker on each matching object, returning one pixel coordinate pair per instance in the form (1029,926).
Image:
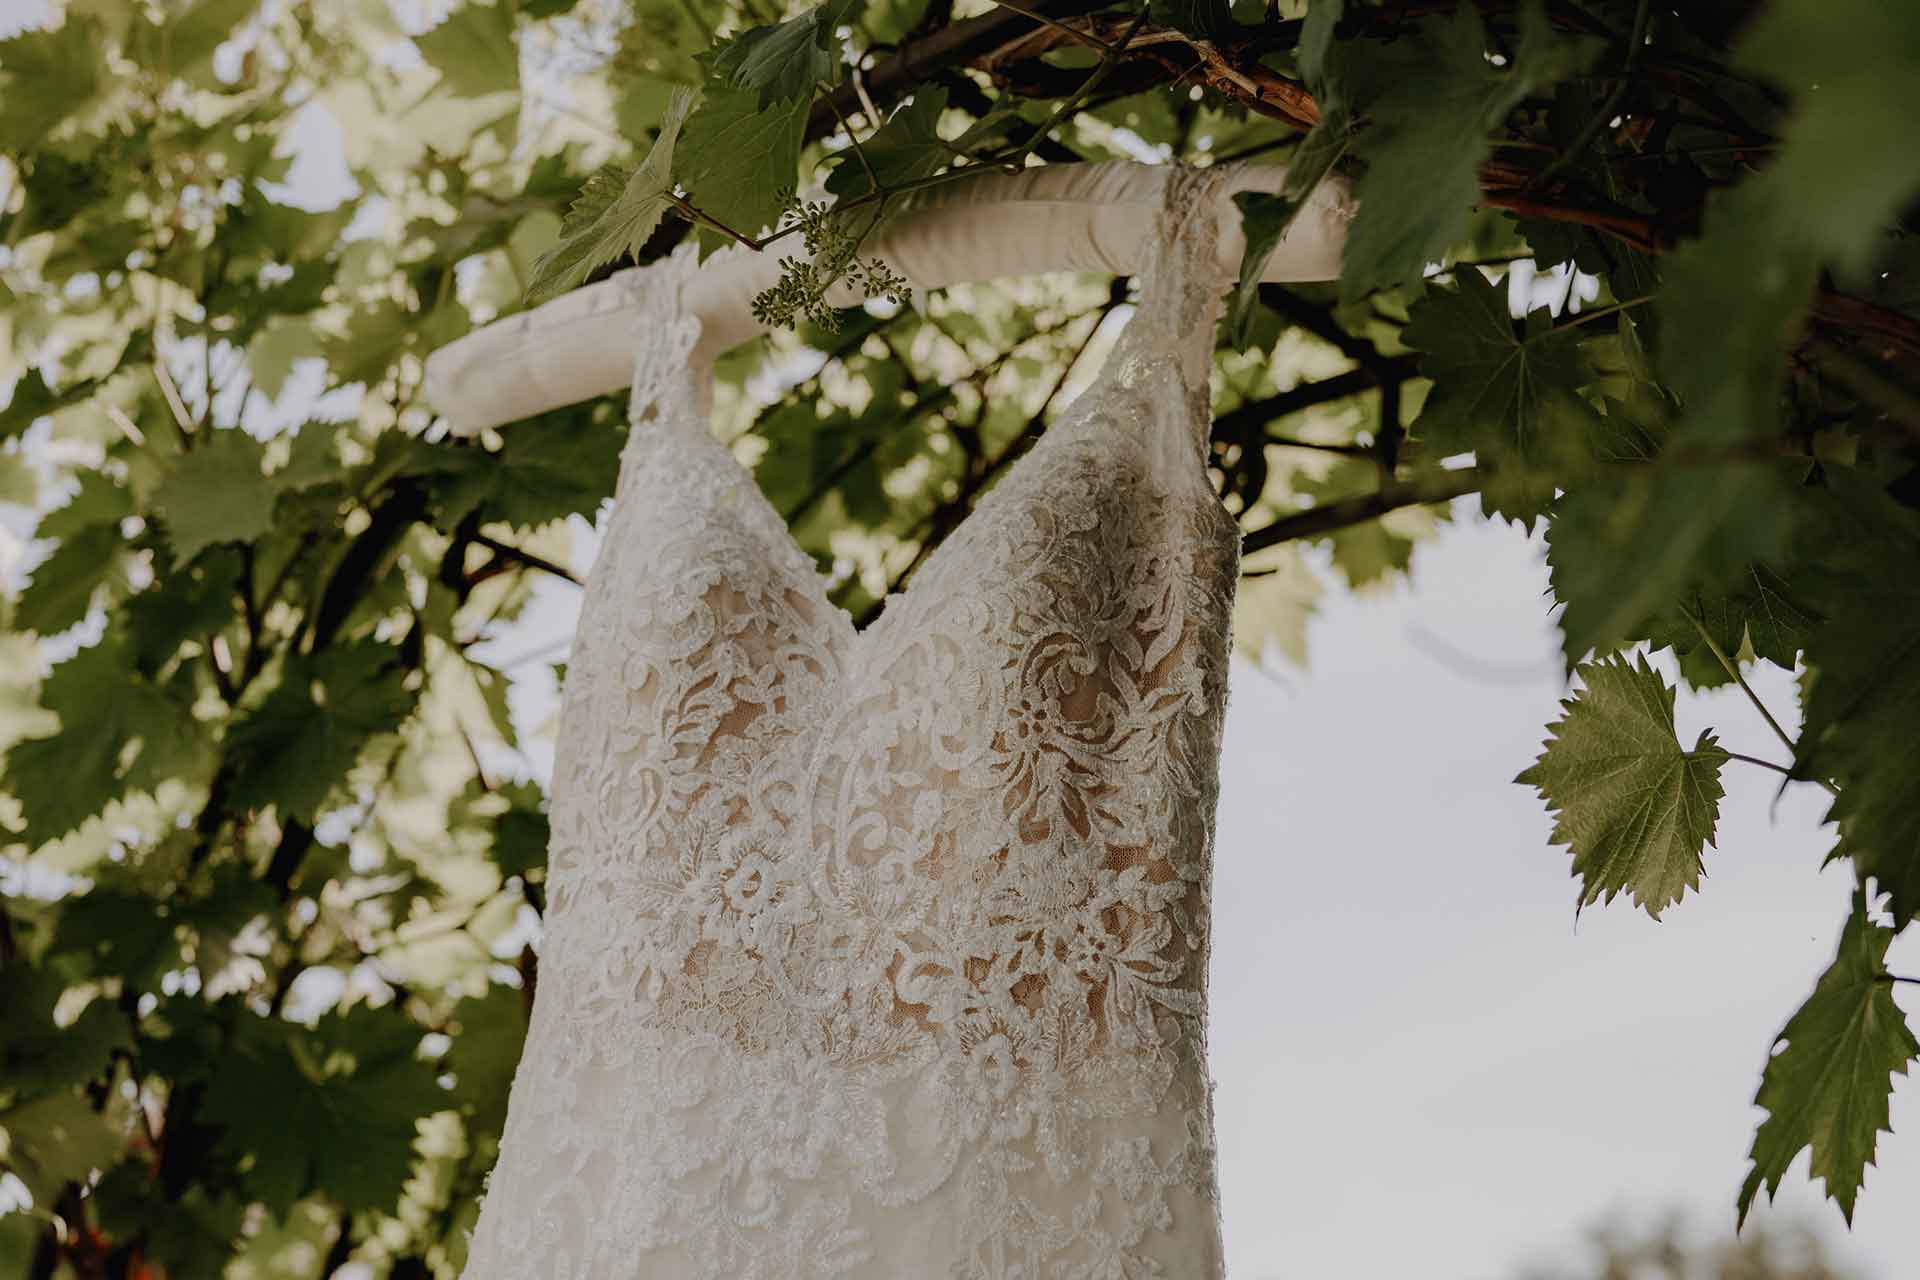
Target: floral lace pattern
(883,953)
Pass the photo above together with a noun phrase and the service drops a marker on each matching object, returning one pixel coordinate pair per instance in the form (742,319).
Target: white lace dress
(883,953)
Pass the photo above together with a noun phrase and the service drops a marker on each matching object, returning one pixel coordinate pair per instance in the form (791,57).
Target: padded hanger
(1091,217)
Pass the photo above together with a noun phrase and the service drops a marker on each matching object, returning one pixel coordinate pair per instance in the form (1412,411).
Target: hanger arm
(1092,217)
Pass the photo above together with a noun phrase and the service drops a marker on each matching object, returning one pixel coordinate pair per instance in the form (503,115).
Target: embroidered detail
(884,953)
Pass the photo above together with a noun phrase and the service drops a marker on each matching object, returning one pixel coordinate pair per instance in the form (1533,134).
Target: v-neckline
(852,640)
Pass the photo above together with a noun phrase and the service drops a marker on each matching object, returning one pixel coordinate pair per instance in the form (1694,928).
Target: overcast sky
(1425,1068)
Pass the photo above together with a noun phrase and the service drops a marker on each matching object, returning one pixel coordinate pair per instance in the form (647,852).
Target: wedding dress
(883,952)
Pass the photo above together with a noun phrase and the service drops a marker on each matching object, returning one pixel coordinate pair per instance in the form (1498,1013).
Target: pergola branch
(1231,425)
(507,554)
(1327,517)
(892,77)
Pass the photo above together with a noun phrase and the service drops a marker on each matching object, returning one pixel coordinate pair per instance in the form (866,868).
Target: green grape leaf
(297,745)
(182,45)
(1631,546)
(186,604)
(274,350)
(1622,548)
(1512,399)
(1679,629)
(59,190)
(20,1234)
(615,213)
(37,1055)
(216,493)
(106,710)
(1846,166)
(129,936)
(736,158)
(32,399)
(288,234)
(1274,604)
(1374,551)
(65,583)
(474,50)
(904,149)
(313,458)
(45,77)
(783,62)
(373,338)
(1430,100)
(489,1032)
(1625,552)
(1265,218)
(559,464)
(1634,805)
(191,1234)
(493,686)
(1729,380)
(522,833)
(1316,41)
(285,1096)
(19,483)
(1207,18)
(1758,609)
(1863,693)
(1778,622)
(59,1138)
(1827,1083)
(100,500)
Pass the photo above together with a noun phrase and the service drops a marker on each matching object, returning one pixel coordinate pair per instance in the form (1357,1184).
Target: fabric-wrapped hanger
(1091,217)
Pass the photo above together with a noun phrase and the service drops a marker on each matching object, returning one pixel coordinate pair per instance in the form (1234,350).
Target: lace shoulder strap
(665,337)
(1181,287)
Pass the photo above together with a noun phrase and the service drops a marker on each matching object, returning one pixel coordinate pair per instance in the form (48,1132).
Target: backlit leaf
(107,712)
(474,50)
(1827,1088)
(58,1138)
(309,1121)
(300,742)
(216,493)
(64,584)
(906,148)
(1265,218)
(1430,100)
(735,156)
(1509,393)
(615,213)
(45,77)
(783,62)
(1635,806)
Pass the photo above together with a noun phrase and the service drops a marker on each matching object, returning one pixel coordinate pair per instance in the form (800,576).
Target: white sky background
(1424,1068)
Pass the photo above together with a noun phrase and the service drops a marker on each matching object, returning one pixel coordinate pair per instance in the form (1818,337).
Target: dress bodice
(883,952)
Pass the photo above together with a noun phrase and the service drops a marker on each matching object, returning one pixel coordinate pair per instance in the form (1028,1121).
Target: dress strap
(665,334)
(1181,287)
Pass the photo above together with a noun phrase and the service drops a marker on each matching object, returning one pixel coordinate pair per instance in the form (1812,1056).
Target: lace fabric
(883,952)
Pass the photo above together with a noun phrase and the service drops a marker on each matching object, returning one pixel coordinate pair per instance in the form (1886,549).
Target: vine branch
(1327,517)
(1733,669)
(507,554)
